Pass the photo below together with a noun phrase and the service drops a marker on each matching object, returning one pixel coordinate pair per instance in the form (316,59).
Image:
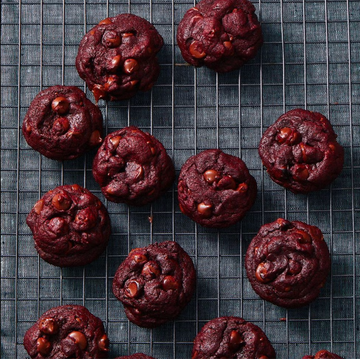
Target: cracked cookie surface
(155,283)
(68,331)
(70,225)
(117,58)
(220,34)
(287,263)
(233,338)
(215,189)
(132,167)
(300,151)
(62,124)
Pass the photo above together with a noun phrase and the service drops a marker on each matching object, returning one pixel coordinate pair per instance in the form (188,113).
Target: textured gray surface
(310,59)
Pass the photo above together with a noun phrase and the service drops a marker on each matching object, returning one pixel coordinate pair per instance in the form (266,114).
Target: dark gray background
(310,59)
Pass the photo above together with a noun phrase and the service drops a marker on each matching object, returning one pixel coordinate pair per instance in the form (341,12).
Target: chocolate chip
(59,226)
(115,141)
(204,209)
(104,343)
(261,273)
(95,138)
(304,237)
(283,223)
(169,282)
(228,46)
(61,125)
(85,219)
(60,105)
(111,39)
(196,50)
(133,289)
(288,135)
(151,270)
(61,202)
(39,205)
(211,176)
(130,66)
(227,182)
(236,340)
(242,187)
(106,21)
(79,339)
(43,346)
(139,258)
(48,326)
(115,62)
(127,34)
(98,92)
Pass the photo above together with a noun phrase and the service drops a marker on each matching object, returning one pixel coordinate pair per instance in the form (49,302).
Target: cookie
(67,331)
(135,356)
(117,57)
(155,283)
(215,189)
(231,337)
(133,167)
(287,263)
(300,151)
(71,227)
(322,354)
(62,124)
(222,35)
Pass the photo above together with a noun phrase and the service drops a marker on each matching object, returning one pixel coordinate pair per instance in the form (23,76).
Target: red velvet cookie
(220,34)
(117,57)
(68,331)
(215,189)
(155,283)
(287,263)
(233,338)
(300,151)
(133,167)
(71,227)
(322,354)
(62,124)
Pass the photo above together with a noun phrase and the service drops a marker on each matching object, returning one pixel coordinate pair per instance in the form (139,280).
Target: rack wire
(310,59)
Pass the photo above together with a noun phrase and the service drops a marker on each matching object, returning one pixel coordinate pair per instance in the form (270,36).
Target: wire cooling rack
(310,59)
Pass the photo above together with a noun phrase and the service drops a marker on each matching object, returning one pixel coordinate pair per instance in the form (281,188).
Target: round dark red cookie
(155,283)
(132,167)
(220,34)
(135,356)
(70,225)
(215,189)
(233,338)
(287,263)
(62,124)
(67,331)
(117,57)
(322,354)
(300,151)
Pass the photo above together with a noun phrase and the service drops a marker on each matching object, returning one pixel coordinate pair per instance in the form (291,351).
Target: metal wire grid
(310,59)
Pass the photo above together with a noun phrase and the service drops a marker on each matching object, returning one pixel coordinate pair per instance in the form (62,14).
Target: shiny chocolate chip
(169,282)
(139,258)
(106,21)
(95,138)
(60,105)
(133,289)
(48,326)
(43,346)
(130,66)
(39,205)
(115,141)
(115,62)
(211,176)
(304,237)
(151,270)
(301,173)
(242,187)
(235,340)
(79,339)
(61,125)
(227,182)
(104,343)
(61,201)
(204,209)
(261,273)
(196,50)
